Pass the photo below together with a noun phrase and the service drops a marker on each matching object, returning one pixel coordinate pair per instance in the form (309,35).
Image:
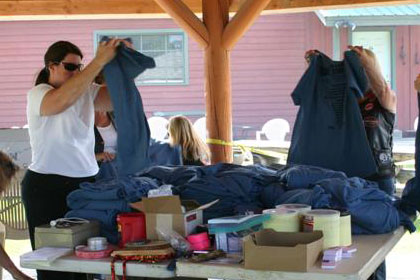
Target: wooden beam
(67,7)
(72,7)
(241,22)
(182,15)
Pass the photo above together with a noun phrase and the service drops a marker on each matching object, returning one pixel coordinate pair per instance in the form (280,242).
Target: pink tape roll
(85,253)
(199,241)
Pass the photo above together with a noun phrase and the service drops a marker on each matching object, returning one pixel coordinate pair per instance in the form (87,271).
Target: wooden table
(371,251)
(103,266)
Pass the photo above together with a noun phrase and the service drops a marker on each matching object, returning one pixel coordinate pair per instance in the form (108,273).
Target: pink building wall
(408,67)
(24,43)
(266,65)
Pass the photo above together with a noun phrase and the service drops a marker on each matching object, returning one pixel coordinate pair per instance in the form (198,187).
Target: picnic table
(403,150)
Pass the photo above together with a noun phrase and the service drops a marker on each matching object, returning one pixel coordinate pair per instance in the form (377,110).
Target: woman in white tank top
(105,137)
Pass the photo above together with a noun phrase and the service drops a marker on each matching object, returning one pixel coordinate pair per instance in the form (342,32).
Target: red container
(131,227)
(199,241)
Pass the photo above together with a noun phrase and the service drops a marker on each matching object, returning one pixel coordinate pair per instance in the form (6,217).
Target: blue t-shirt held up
(133,129)
(329,129)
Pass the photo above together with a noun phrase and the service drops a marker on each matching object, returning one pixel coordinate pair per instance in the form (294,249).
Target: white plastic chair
(416,121)
(158,128)
(200,127)
(274,130)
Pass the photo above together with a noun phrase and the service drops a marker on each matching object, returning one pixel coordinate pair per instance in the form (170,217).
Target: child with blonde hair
(182,133)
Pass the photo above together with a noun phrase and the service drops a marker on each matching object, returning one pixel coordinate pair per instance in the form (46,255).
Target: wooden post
(218,82)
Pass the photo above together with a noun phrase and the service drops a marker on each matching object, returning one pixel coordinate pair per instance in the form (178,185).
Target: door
(380,42)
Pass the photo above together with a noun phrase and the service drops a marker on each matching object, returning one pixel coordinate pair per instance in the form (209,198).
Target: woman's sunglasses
(71,66)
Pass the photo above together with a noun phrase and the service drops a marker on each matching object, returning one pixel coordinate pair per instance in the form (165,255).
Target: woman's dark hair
(56,53)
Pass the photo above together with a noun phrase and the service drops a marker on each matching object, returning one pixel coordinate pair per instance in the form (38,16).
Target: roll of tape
(345,229)
(328,221)
(300,208)
(97,243)
(283,220)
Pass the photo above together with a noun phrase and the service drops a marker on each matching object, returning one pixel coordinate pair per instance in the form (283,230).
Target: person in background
(105,131)
(182,133)
(60,112)
(105,137)
(378,108)
(417,83)
(7,171)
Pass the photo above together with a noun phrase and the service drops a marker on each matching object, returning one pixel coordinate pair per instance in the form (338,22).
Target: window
(167,47)
(380,41)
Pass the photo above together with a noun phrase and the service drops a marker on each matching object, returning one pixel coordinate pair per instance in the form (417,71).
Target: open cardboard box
(286,251)
(166,212)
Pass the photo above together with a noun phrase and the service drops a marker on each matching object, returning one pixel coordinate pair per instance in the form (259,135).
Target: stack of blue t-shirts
(329,130)
(253,188)
(105,198)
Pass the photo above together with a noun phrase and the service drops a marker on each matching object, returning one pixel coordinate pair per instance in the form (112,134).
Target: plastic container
(131,227)
(199,241)
(176,240)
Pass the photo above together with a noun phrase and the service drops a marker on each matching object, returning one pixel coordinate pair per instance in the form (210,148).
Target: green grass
(408,166)
(417,225)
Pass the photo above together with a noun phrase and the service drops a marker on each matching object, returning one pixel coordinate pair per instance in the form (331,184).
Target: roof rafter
(73,7)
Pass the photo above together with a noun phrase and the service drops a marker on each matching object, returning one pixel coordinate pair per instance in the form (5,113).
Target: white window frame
(128,32)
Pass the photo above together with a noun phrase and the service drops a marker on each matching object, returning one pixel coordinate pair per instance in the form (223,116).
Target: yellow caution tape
(247,148)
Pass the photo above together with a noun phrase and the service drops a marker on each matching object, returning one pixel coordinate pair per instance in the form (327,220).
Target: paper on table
(44,256)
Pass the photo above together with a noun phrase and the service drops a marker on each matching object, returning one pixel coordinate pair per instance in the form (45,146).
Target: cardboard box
(68,237)
(285,251)
(166,212)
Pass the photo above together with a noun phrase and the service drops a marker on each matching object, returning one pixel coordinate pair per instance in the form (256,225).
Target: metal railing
(12,211)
